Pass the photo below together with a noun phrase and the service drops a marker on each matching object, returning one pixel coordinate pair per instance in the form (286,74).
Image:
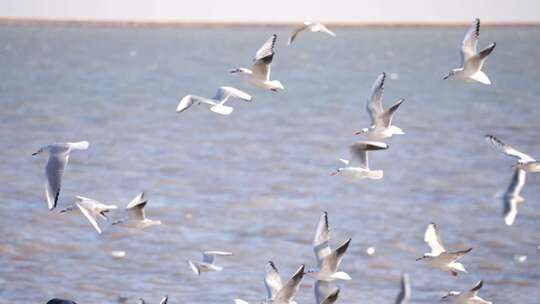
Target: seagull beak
(274,90)
(446,77)
(35,153)
(358,133)
(333,173)
(419,259)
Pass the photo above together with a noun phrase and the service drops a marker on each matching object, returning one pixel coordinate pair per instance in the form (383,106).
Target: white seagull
(322,294)
(277,293)
(358,166)
(381,119)
(312,27)
(91,210)
(259,75)
(58,160)
(136,216)
(525,162)
(438,257)
(207,263)
(217,102)
(512,197)
(469,297)
(327,260)
(404,294)
(471,60)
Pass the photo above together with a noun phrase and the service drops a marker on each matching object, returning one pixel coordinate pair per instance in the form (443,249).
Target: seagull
(327,260)
(471,60)
(91,210)
(512,197)
(58,160)
(469,297)
(207,263)
(322,296)
(136,215)
(381,120)
(277,293)
(259,75)
(439,257)
(358,166)
(525,162)
(60,301)
(217,102)
(312,27)
(404,294)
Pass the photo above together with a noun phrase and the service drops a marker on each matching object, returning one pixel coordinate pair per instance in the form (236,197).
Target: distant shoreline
(158,23)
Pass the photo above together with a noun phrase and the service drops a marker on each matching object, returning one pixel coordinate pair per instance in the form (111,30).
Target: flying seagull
(469,297)
(438,257)
(217,103)
(328,260)
(322,295)
(512,197)
(381,119)
(404,294)
(472,60)
(259,75)
(91,209)
(525,162)
(312,27)
(277,293)
(54,170)
(207,263)
(136,216)
(358,166)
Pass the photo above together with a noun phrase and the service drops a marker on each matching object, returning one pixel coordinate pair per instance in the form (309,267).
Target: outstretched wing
(374,102)
(386,117)
(54,170)
(272,281)
(91,216)
(135,208)
(296,31)
(187,101)
(164,300)
(331,263)
(208,256)
(433,238)
(289,290)
(473,292)
(508,150)
(359,155)
(321,242)
(476,62)
(470,41)
(266,51)
(404,294)
(223,93)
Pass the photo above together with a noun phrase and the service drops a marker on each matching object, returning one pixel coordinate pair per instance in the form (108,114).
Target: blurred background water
(255,182)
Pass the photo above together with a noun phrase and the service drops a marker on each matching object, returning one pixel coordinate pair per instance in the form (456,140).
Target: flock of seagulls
(328,260)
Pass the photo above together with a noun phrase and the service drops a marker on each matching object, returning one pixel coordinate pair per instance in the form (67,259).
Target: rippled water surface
(255,182)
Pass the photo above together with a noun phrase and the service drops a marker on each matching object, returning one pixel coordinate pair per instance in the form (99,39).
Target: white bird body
(358,166)
(207,264)
(440,258)
(524,161)
(312,27)
(259,74)
(469,297)
(328,260)
(277,292)
(136,216)
(56,165)
(472,61)
(381,120)
(92,209)
(217,103)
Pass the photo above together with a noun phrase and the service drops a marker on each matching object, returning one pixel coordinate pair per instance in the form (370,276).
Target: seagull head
(450,75)
(338,170)
(363,131)
(37,152)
